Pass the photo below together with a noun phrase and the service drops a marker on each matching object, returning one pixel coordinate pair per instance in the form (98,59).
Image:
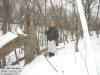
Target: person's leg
(49,48)
(53,49)
(51,54)
(0,64)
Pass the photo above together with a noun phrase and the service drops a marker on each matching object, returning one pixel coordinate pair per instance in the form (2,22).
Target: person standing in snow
(52,37)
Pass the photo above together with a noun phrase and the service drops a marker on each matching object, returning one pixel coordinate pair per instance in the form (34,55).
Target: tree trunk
(31,43)
(4,27)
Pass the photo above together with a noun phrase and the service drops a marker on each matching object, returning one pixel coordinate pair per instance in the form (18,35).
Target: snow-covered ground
(66,60)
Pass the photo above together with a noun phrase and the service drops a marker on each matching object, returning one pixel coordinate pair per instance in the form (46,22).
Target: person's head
(52,23)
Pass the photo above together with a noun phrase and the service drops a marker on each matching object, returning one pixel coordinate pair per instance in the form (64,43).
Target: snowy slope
(66,60)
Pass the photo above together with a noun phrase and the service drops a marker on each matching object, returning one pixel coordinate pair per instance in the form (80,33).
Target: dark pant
(51,54)
(0,65)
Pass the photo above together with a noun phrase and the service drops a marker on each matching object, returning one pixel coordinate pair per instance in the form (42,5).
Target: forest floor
(66,61)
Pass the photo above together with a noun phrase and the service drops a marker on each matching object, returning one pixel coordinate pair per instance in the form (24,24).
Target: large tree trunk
(4,27)
(31,43)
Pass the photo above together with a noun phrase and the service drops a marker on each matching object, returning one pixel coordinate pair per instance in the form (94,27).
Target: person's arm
(47,31)
(56,35)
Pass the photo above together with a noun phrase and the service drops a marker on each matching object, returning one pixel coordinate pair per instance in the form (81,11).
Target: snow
(7,38)
(90,63)
(66,61)
(17,30)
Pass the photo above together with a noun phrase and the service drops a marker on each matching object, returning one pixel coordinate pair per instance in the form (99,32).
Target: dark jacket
(52,34)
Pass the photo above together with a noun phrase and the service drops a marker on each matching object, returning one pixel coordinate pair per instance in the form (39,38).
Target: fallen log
(9,44)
